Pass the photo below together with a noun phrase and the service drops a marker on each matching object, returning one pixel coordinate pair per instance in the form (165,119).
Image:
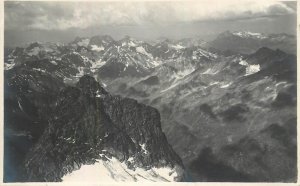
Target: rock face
(90,124)
(29,100)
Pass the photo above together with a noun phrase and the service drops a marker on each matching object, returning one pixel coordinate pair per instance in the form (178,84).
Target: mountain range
(227,107)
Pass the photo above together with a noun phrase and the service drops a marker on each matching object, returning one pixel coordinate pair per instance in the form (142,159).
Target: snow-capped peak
(247,34)
(129,41)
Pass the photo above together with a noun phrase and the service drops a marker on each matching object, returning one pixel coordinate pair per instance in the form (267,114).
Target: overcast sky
(63,21)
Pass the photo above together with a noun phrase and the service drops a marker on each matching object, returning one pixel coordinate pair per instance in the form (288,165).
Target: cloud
(68,15)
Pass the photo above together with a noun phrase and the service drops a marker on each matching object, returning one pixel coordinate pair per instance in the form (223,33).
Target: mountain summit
(103,134)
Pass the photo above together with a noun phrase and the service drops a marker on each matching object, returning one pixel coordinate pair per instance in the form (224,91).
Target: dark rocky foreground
(84,122)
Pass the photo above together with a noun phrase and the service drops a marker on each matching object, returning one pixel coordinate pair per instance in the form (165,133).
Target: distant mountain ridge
(248,42)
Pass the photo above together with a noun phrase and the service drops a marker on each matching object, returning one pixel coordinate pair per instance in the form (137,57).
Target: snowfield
(250,69)
(113,170)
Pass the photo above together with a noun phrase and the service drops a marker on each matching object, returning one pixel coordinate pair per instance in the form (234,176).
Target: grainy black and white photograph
(150,91)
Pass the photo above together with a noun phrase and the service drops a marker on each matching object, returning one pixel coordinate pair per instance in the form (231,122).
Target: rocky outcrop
(87,122)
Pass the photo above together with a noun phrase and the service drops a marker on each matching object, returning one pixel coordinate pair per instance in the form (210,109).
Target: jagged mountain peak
(265,51)
(103,37)
(112,131)
(34,44)
(130,41)
(99,42)
(77,39)
(127,37)
(42,45)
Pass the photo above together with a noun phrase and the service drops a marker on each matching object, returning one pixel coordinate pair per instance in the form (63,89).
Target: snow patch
(33,52)
(226,85)
(214,83)
(156,63)
(132,44)
(97,48)
(8,66)
(200,52)
(81,72)
(143,146)
(97,64)
(141,50)
(20,106)
(53,62)
(250,35)
(98,94)
(177,47)
(280,83)
(210,71)
(130,159)
(38,69)
(172,86)
(250,69)
(185,72)
(112,170)
(243,63)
